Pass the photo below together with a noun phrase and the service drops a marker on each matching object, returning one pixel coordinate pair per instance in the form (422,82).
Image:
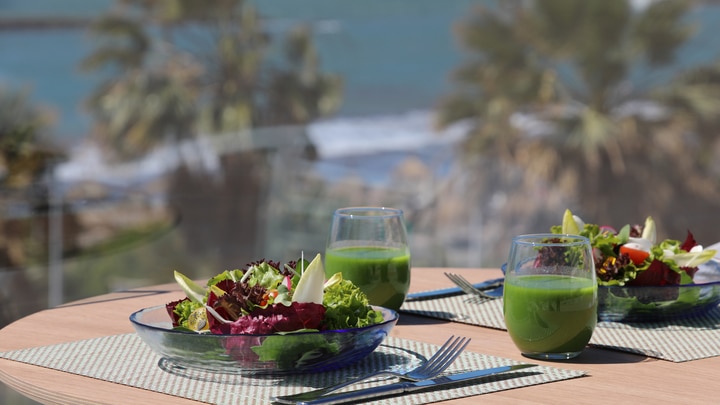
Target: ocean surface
(396,57)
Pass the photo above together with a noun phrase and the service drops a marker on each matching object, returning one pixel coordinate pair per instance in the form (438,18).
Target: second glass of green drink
(368,245)
(550,295)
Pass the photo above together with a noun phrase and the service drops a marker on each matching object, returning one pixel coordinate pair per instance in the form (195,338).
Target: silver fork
(435,365)
(467,286)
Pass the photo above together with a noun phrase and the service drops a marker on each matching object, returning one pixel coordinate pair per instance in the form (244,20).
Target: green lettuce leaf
(347,306)
(183,310)
(295,352)
(233,275)
(264,275)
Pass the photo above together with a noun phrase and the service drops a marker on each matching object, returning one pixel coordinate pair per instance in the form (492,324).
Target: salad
(632,256)
(269,298)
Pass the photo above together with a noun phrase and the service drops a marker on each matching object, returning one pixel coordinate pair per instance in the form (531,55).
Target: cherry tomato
(636,255)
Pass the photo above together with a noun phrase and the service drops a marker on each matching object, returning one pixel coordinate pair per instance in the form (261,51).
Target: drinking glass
(368,245)
(550,295)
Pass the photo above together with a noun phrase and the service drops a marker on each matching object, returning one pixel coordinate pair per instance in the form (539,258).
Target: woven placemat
(125,359)
(682,340)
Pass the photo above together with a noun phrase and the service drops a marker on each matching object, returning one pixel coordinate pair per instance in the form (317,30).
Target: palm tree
(299,92)
(25,154)
(548,93)
(185,68)
(208,70)
(27,158)
(147,102)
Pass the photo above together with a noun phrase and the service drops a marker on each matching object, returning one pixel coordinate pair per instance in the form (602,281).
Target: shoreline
(43,23)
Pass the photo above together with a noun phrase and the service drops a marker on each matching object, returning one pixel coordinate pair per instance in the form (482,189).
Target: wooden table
(613,377)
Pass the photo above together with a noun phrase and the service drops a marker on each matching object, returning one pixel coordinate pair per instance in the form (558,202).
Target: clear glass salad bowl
(259,354)
(662,303)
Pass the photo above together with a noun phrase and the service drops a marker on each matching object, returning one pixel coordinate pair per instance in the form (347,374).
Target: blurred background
(138,137)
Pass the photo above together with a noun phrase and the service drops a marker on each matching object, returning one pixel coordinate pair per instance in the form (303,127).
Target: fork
(435,365)
(467,286)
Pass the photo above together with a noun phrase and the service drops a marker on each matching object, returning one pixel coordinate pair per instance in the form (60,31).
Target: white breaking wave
(333,138)
(366,135)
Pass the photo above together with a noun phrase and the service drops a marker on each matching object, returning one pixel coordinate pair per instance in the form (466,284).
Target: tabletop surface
(612,376)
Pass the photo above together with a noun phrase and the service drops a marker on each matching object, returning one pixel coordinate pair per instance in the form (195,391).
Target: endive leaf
(310,286)
(569,226)
(649,231)
(693,259)
(195,292)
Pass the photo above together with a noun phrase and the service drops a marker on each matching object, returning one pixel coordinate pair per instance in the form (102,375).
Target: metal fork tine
(440,362)
(438,354)
(459,282)
(451,276)
(464,282)
(433,368)
(450,356)
(466,286)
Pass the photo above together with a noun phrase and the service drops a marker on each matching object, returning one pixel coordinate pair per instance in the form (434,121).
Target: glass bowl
(259,354)
(662,303)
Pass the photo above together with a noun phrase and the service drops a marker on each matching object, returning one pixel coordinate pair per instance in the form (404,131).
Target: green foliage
(555,107)
(184,67)
(24,152)
(554,53)
(659,31)
(126,44)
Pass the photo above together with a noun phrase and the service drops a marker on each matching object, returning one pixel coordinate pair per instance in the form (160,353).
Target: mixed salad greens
(269,298)
(632,256)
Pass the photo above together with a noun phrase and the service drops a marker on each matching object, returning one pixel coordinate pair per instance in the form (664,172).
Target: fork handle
(311,395)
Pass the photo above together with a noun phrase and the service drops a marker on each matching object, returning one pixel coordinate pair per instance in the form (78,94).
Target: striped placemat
(682,340)
(125,359)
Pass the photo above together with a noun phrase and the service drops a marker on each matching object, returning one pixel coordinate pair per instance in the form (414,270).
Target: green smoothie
(383,274)
(550,313)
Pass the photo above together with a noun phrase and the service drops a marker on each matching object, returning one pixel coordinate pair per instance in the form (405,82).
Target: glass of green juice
(368,245)
(550,296)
